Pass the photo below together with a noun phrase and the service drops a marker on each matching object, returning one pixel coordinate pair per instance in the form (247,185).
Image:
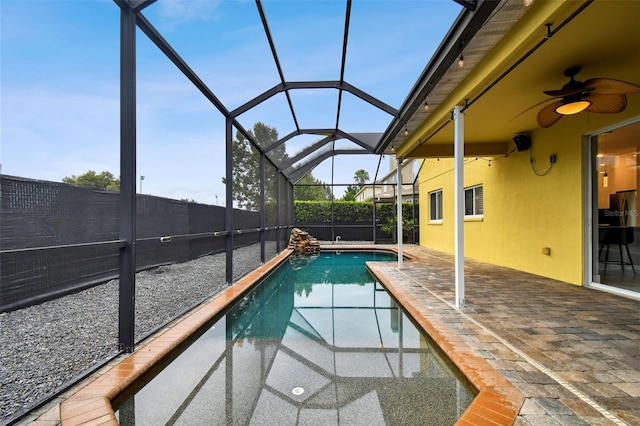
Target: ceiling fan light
(573,107)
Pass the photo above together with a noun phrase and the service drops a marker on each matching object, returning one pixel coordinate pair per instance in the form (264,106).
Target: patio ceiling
(505,84)
(309,146)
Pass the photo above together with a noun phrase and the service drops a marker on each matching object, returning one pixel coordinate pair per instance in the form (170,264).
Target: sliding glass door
(615,156)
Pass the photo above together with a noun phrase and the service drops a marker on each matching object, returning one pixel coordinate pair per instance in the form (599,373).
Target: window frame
(474,189)
(439,206)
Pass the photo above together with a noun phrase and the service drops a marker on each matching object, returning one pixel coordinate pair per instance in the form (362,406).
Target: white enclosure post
(459,204)
(399,209)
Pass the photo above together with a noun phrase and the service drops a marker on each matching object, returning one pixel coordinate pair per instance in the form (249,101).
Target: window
(473,201)
(435,205)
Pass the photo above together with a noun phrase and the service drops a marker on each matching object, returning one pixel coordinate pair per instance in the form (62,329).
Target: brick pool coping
(89,403)
(498,402)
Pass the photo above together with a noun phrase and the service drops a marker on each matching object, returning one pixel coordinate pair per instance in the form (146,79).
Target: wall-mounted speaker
(522,141)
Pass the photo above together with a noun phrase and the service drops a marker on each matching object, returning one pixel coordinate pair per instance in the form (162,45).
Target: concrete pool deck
(539,351)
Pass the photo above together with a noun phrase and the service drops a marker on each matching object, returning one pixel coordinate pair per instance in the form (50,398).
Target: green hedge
(313,212)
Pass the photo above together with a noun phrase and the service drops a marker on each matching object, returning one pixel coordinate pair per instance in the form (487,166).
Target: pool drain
(297,391)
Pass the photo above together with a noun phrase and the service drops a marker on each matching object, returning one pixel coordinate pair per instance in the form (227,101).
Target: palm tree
(361,177)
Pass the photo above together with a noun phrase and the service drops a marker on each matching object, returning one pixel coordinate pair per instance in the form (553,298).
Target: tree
(311,189)
(104,181)
(246,166)
(350,193)
(246,170)
(361,177)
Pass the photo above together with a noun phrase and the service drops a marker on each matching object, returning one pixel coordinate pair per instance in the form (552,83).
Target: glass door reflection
(617,248)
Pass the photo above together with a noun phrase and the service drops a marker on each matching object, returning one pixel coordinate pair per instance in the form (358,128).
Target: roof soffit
(525,35)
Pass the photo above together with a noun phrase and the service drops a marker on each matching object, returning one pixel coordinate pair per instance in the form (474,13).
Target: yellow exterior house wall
(523,212)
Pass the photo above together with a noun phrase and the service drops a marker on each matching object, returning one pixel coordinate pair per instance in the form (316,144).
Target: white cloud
(178,12)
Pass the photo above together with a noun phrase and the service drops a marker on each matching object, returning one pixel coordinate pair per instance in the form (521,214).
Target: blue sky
(59,82)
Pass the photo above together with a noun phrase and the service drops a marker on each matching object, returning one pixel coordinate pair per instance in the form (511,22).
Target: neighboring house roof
(381,185)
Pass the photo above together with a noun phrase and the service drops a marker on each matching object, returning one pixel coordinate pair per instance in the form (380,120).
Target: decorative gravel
(43,347)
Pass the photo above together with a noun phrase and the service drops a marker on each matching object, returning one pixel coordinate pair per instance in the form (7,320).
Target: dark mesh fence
(202,219)
(57,238)
(157,217)
(43,214)
(64,222)
(247,224)
(34,276)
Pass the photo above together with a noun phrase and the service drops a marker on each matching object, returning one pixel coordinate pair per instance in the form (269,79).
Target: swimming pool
(318,341)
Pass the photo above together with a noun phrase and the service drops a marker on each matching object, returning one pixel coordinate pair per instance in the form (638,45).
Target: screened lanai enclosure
(209,130)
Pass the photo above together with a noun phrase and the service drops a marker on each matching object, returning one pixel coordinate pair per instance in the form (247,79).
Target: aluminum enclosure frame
(469,21)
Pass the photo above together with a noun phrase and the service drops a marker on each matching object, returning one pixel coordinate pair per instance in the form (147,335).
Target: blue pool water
(317,342)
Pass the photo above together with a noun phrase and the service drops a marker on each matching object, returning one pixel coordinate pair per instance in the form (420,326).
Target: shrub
(318,212)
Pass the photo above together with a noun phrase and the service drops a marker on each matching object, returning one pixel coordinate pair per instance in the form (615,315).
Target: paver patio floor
(572,351)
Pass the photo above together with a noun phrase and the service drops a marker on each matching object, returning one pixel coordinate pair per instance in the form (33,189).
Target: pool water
(317,342)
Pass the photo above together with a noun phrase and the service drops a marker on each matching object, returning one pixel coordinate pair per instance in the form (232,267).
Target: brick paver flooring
(574,352)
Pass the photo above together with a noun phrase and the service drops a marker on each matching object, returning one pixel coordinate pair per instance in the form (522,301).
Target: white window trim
(474,217)
(441,219)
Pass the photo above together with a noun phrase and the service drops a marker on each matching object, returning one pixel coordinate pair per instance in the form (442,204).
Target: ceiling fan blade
(561,93)
(611,86)
(606,104)
(547,116)
(532,107)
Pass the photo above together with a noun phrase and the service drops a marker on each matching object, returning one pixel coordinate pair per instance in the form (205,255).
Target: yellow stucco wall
(523,212)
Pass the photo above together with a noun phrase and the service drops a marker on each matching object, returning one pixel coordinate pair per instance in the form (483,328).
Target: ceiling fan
(602,95)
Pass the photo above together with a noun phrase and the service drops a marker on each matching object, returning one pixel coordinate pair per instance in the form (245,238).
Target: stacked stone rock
(303,243)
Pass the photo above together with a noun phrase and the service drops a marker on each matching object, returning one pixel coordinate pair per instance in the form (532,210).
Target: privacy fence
(57,238)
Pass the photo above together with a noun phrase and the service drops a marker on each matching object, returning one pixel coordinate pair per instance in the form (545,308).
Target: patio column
(459,204)
(399,209)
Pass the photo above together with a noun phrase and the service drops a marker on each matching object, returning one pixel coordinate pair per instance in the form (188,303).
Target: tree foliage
(361,177)
(311,189)
(246,171)
(246,166)
(104,181)
(350,193)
